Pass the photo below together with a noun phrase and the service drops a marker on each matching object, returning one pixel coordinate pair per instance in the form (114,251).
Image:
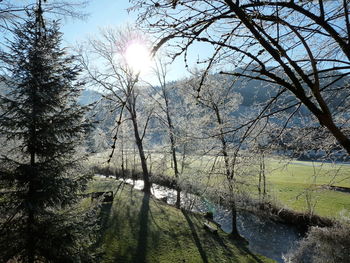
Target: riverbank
(301,220)
(305,187)
(139,228)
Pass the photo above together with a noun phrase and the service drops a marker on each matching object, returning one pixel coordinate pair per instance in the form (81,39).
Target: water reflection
(265,237)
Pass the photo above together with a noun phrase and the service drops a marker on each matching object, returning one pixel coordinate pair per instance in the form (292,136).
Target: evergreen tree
(40,174)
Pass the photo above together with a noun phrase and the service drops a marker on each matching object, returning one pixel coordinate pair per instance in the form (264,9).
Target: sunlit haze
(116,15)
(138,57)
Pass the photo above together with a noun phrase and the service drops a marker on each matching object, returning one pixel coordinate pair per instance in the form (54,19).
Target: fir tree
(40,177)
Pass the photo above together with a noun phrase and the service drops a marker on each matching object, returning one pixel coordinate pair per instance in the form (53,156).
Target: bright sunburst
(138,57)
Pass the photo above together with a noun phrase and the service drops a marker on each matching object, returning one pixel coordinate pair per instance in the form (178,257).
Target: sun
(138,57)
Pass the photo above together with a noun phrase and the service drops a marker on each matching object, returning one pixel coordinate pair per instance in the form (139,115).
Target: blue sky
(111,13)
(101,13)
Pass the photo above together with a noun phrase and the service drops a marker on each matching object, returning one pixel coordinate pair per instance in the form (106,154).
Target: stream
(266,237)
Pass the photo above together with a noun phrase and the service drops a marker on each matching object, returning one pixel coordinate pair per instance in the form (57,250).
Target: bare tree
(217,102)
(300,46)
(120,83)
(166,118)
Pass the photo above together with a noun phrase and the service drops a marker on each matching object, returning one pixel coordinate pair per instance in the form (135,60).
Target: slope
(139,228)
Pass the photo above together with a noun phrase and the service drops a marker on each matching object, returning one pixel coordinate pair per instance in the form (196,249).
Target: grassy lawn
(138,228)
(309,173)
(292,184)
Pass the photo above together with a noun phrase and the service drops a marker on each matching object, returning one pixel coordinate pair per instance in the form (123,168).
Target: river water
(266,237)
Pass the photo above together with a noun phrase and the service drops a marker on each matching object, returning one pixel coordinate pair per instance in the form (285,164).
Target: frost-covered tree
(216,104)
(302,47)
(41,219)
(164,99)
(121,83)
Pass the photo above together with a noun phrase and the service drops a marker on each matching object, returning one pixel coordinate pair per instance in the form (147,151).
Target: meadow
(302,186)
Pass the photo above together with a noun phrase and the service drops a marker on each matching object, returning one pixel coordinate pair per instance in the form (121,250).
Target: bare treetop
(14,11)
(282,27)
(301,46)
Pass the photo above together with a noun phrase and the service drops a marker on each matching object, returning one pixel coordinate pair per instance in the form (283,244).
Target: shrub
(327,244)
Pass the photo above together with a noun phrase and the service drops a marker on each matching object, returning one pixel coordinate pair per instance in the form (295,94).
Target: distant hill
(89,96)
(255,94)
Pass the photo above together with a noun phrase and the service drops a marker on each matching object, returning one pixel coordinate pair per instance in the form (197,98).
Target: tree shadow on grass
(141,250)
(120,188)
(245,250)
(104,221)
(102,226)
(106,209)
(241,244)
(195,237)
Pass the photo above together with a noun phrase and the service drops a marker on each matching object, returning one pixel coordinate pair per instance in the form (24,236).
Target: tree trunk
(176,171)
(31,173)
(150,162)
(173,150)
(123,168)
(30,220)
(259,184)
(234,233)
(229,175)
(133,175)
(328,122)
(145,173)
(263,176)
(30,241)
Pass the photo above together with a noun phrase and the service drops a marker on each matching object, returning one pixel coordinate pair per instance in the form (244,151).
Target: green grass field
(292,184)
(138,228)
